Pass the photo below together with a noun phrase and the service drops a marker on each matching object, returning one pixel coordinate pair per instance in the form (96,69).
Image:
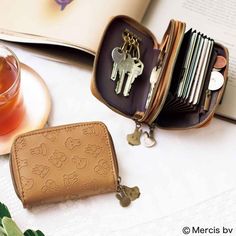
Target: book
(81,24)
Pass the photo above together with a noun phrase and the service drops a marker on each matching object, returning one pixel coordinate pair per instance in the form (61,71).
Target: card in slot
(179,66)
(203,67)
(194,67)
(191,65)
(203,73)
(179,103)
(187,63)
(187,106)
(174,101)
(199,69)
(169,100)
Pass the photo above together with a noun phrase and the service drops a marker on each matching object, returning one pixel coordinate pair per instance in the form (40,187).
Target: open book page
(79,25)
(215,18)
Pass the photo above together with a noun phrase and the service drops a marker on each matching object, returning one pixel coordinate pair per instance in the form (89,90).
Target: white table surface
(187,179)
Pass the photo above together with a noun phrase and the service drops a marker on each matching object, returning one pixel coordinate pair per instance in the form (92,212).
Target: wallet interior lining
(171,118)
(136,100)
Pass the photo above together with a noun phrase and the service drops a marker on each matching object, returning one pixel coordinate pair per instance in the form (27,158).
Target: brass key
(154,80)
(118,55)
(136,70)
(124,67)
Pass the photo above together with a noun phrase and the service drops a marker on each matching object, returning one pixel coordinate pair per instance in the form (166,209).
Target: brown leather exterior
(64,162)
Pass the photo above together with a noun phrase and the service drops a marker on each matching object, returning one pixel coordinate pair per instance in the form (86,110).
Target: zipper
(13,177)
(149,139)
(124,194)
(158,73)
(153,118)
(114,157)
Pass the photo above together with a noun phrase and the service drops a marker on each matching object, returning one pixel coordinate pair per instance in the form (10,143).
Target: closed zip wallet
(66,162)
(162,62)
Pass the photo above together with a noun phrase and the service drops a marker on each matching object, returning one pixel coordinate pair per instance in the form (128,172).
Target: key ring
(126,39)
(136,44)
(130,45)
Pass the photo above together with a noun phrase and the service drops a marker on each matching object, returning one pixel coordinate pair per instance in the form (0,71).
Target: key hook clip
(126,39)
(137,50)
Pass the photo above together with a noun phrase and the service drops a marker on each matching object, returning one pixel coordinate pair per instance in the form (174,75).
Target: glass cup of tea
(11,100)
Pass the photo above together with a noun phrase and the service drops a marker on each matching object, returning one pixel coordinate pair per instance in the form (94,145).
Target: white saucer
(37,104)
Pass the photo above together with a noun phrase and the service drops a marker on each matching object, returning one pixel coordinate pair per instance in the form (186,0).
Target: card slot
(202,78)
(188,108)
(174,100)
(170,99)
(196,65)
(177,102)
(179,70)
(181,115)
(182,103)
(191,65)
(199,70)
(185,106)
(187,62)
(206,80)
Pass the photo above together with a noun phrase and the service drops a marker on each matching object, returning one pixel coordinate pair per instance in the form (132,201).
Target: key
(153,80)
(118,55)
(124,67)
(136,70)
(216,82)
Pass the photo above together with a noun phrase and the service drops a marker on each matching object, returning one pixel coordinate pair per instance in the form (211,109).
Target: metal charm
(134,138)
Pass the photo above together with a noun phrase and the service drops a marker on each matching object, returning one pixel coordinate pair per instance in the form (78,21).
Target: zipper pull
(126,194)
(149,140)
(134,138)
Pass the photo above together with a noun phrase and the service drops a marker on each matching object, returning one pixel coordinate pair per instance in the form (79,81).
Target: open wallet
(175,84)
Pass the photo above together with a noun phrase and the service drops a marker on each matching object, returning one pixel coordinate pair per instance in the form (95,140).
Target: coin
(220,62)
(216,81)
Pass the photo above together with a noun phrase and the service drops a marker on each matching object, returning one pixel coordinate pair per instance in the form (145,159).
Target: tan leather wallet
(161,95)
(66,162)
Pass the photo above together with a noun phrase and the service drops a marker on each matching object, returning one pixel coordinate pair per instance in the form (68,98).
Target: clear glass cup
(11,100)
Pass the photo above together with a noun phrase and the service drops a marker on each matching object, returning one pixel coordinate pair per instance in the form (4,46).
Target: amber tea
(11,101)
